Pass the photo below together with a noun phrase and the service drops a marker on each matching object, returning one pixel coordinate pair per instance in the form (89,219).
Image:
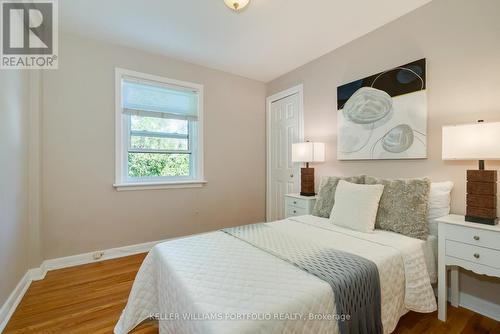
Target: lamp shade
(477,141)
(308,152)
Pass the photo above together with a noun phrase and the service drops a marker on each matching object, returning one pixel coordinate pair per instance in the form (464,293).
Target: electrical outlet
(98,255)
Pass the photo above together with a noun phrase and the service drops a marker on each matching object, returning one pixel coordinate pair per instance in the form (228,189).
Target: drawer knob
(476,237)
(294,211)
(476,255)
(295,202)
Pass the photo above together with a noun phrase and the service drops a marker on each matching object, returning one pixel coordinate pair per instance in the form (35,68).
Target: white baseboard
(39,273)
(475,304)
(481,306)
(85,258)
(14,299)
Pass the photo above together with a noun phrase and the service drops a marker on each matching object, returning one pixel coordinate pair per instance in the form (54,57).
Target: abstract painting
(384,116)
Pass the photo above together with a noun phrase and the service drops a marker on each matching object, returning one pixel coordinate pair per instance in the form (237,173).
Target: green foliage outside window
(158,164)
(153,124)
(153,164)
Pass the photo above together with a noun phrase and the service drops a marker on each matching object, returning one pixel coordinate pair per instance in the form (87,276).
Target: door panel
(284,174)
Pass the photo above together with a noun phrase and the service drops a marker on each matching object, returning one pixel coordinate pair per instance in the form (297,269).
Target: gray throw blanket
(354,279)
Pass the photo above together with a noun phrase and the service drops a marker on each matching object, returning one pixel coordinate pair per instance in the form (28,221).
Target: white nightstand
(471,246)
(296,205)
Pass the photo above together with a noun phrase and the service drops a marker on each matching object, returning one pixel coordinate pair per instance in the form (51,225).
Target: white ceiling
(266,40)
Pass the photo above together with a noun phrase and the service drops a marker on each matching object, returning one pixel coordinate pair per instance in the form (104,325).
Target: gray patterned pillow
(403,206)
(326,194)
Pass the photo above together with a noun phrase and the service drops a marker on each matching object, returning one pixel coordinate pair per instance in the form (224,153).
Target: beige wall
(81,209)
(461,41)
(14,249)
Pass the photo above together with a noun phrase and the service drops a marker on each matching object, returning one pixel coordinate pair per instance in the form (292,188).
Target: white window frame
(122,130)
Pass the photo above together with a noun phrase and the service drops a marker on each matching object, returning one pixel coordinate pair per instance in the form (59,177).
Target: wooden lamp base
(307,182)
(482,197)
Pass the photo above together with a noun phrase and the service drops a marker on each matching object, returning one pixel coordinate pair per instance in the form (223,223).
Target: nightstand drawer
(298,203)
(480,255)
(295,211)
(473,236)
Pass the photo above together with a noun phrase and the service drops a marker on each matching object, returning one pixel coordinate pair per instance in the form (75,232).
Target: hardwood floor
(83,299)
(89,299)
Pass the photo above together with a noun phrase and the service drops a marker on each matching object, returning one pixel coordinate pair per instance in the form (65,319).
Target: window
(158,132)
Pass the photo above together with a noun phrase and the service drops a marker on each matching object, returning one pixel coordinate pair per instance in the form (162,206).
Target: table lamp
(308,152)
(477,141)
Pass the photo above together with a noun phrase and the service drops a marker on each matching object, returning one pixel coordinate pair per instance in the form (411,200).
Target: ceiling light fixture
(237,5)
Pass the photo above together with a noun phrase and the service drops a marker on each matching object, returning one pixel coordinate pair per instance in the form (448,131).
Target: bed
(217,283)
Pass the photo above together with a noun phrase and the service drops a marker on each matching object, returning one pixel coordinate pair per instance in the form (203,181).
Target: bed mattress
(215,283)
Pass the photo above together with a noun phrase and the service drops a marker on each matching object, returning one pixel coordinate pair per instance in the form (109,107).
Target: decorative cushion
(439,203)
(326,194)
(356,206)
(403,206)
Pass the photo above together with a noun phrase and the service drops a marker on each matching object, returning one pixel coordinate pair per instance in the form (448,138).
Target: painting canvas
(384,116)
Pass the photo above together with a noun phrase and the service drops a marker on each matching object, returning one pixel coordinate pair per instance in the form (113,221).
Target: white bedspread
(223,283)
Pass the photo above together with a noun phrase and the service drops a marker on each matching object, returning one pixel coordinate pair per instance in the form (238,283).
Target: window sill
(159,185)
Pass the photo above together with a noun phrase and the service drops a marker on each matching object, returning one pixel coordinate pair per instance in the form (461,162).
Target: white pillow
(439,203)
(356,205)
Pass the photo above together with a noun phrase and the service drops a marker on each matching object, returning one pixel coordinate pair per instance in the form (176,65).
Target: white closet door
(284,176)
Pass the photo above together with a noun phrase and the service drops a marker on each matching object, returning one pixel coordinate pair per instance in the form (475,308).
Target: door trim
(299,89)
